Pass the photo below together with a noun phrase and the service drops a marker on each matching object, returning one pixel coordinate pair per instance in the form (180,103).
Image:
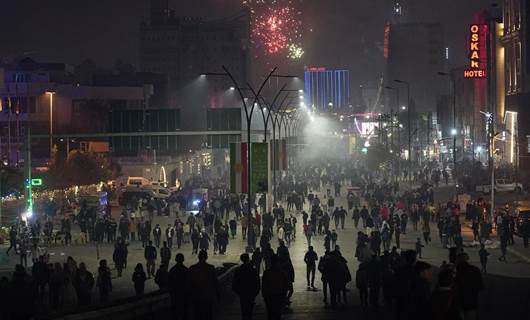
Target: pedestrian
(150,258)
(419,246)
(20,296)
(12,239)
(179,287)
(503,246)
(246,284)
(324,271)
(468,284)
(139,278)
(162,276)
(274,285)
(120,256)
(257,258)
(204,287)
(361,282)
(483,256)
(83,284)
(157,234)
(57,286)
(165,254)
(333,236)
(310,260)
(104,281)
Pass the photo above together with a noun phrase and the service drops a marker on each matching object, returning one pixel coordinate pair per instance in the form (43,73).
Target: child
(483,255)
(418,247)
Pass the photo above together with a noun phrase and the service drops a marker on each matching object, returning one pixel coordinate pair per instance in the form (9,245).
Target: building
(415,53)
(185,48)
(43,97)
(327,89)
(513,61)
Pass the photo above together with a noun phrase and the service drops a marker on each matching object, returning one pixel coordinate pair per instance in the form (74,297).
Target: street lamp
(50,93)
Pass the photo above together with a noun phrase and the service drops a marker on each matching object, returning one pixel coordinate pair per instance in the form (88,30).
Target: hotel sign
(477,52)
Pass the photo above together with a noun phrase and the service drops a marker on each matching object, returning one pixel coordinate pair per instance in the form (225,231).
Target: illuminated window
(527,144)
(517,63)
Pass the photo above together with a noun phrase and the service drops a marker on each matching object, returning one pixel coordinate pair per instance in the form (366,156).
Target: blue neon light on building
(324,87)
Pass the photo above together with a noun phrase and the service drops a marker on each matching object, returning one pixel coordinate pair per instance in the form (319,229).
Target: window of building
(517,62)
(516,8)
(527,144)
(507,13)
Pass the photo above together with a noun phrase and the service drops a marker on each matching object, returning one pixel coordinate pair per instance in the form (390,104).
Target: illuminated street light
(453,132)
(232,88)
(403,107)
(367,143)
(301,91)
(330,104)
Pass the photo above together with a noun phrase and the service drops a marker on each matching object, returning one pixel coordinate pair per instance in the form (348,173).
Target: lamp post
(50,93)
(407,84)
(249,111)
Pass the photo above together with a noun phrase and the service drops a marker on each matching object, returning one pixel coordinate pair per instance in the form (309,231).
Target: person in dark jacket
(274,286)
(138,278)
(468,283)
(179,287)
(150,258)
(162,277)
(246,285)
(104,281)
(120,256)
(165,254)
(204,288)
(21,295)
(443,304)
(83,284)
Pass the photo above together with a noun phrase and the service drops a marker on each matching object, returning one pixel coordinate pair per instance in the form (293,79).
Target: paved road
(507,286)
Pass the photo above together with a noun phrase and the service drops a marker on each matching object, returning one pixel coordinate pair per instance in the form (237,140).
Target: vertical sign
(260,167)
(477,52)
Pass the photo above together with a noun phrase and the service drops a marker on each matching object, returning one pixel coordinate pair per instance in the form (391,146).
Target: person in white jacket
(281,234)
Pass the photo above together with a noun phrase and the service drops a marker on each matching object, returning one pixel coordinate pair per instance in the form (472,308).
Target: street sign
(36,182)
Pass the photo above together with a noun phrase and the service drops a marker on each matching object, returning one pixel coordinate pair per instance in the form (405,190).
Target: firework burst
(276,26)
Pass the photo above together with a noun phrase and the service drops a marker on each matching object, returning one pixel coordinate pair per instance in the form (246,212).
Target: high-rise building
(327,88)
(185,48)
(513,86)
(415,53)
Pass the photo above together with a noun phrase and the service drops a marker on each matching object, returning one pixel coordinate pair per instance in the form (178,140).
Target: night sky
(346,33)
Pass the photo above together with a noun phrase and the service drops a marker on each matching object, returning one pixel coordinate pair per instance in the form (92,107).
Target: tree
(82,169)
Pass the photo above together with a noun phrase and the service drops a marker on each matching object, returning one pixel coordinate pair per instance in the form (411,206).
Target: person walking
(246,284)
(179,287)
(483,256)
(120,256)
(83,283)
(104,281)
(204,287)
(468,284)
(165,254)
(274,285)
(150,258)
(12,239)
(157,234)
(139,278)
(310,260)
(361,282)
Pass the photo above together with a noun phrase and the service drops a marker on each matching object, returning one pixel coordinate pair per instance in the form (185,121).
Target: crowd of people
(388,276)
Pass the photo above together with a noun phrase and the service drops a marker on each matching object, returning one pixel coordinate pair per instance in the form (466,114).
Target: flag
(238,167)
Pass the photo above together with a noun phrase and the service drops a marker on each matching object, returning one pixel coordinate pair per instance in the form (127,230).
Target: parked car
(501,185)
(137,193)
